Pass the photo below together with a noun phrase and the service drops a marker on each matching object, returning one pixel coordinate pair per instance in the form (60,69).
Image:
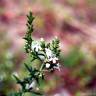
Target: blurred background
(72,21)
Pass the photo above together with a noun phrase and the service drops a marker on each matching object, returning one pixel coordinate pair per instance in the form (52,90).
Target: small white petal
(27,86)
(41,57)
(36,46)
(54,60)
(33,84)
(40,75)
(56,37)
(41,39)
(57,66)
(16,74)
(47,65)
(48,52)
(50,59)
(37,89)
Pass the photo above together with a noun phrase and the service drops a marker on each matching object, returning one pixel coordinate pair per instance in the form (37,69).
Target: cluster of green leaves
(55,46)
(33,73)
(28,34)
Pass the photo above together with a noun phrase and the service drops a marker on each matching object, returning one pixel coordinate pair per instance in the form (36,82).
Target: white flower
(16,74)
(53,59)
(57,66)
(32,85)
(41,55)
(37,89)
(36,46)
(50,55)
(27,86)
(56,37)
(40,75)
(47,65)
(41,39)
(48,52)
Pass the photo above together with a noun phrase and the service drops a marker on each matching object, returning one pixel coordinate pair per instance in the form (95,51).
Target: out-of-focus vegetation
(8,64)
(73,21)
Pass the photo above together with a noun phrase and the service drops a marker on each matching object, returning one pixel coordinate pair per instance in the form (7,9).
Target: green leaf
(28,37)
(28,67)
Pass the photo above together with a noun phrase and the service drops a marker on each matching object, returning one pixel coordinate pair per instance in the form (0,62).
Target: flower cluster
(47,53)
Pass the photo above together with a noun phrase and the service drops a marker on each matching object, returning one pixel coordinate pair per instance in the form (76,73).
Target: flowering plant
(47,53)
